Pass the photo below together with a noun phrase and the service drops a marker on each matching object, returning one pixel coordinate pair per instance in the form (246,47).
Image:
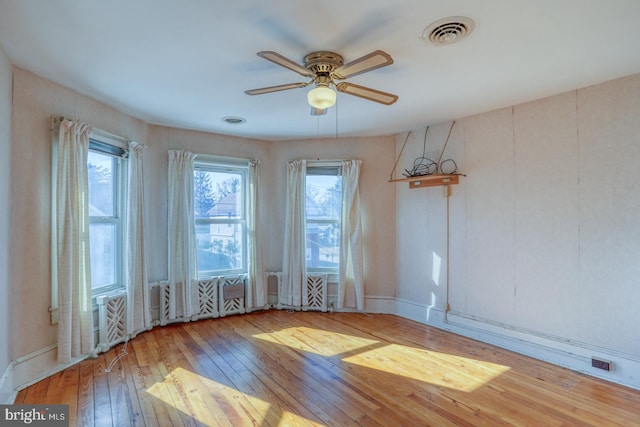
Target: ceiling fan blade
(368,62)
(318,111)
(275,88)
(367,93)
(285,62)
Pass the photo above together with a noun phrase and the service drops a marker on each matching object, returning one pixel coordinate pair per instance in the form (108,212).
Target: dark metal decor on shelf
(421,166)
(425,166)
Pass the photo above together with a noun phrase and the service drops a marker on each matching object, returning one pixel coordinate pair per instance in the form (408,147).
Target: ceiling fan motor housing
(323,62)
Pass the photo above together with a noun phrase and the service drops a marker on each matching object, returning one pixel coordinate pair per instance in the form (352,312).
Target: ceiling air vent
(448,30)
(234,120)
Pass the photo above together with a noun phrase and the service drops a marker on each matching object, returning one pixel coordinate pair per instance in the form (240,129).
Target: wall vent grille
(448,30)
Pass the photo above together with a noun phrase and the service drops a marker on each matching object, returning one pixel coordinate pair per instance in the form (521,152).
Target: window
(105,164)
(219,199)
(323,209)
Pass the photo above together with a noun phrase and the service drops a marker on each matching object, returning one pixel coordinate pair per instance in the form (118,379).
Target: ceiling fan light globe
(321,97)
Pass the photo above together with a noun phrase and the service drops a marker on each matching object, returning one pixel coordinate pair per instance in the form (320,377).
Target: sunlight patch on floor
(214,404)
(324,343)
(441,369)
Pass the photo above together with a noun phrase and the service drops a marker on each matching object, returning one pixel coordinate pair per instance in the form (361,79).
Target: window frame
(102,144)
(327,168)
(235,167)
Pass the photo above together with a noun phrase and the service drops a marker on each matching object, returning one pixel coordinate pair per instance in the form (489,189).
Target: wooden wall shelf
(429,180)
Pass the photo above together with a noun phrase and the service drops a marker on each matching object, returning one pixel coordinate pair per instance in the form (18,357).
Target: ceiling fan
(324,69)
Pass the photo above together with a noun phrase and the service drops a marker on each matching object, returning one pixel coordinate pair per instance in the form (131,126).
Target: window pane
(217,195)
(323,205)
(323,197)
(219,246)
(323,245)
(102,241)
(101,184)
(220,220)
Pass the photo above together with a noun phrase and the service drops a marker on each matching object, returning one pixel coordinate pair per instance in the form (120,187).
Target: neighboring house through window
(220,212)
(323,209)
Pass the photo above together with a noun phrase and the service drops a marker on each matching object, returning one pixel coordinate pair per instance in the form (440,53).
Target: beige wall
(545,232)
(35,101)
(6,345)
(377,197)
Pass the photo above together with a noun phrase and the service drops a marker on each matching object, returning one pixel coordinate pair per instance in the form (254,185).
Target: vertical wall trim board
(7,392)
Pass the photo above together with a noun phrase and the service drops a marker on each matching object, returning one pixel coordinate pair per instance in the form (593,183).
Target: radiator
(166,309)
(205,302)
(232,294)
(274,281)
(314,294)
(112,320)
(207,295)
(163,307)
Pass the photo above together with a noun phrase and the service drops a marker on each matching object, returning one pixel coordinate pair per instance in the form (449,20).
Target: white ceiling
(187,63)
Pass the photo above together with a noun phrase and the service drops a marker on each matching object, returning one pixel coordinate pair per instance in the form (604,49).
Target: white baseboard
(562,352)
(7,390)
(380,304)
(38,365)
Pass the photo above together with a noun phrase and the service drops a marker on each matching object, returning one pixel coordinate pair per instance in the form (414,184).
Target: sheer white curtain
(182,257)
(294,262)
(71,245)
(138,308)
(257,291)
(351,283)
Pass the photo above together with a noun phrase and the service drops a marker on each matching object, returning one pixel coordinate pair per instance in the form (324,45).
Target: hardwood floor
(298,369)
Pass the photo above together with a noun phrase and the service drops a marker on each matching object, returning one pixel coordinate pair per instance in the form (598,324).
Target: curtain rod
(328,160)
(55,125)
